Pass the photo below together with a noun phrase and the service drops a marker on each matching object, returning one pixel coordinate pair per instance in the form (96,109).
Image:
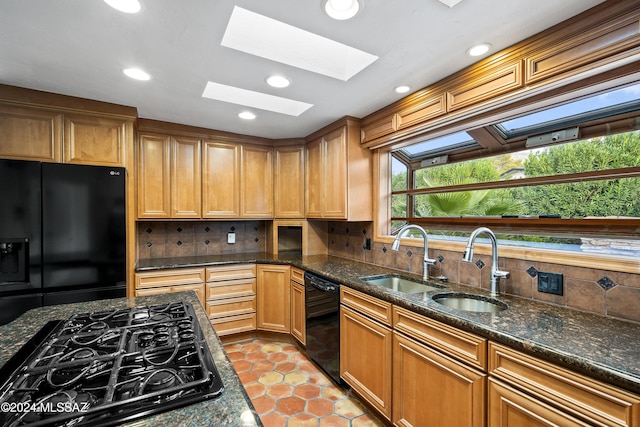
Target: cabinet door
(198,288)
(154,190)
(220,180)
(185,178)
(298,326)
(432,389)
(274,298)
(313,173)
(511,408)
(288,190)
(94,140)
(256,174)
(335,175)
(365,358)
(30,134)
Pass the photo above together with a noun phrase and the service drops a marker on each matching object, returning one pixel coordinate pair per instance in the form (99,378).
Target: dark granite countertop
(600,347)
(232,408)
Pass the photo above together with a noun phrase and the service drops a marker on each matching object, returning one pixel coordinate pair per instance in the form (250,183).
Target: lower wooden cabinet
(231,298)
(274,298)
(171,280)
(509,407)
(365,358)
(431,389)
(554,393)
(298,315)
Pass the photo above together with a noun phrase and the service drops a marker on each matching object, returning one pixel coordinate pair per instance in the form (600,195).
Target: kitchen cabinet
(52,136)
(171,280)
(429,380)
(231,298)
(338,175)
(256,175)
(274,298)
(169,181)
(366,347)
(524,388)
(298,317)
(288,186)
(94,140)
(220,179)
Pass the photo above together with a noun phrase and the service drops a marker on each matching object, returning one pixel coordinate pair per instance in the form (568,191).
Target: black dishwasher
(322,310)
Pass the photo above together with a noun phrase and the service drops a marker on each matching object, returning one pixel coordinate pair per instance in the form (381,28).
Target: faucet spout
(426,262)
(467,256)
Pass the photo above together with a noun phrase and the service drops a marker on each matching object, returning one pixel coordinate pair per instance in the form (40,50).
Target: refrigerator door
(20,238)
(83,223)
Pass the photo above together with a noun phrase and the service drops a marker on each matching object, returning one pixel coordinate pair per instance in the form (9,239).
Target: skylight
(249,98)
(268,38)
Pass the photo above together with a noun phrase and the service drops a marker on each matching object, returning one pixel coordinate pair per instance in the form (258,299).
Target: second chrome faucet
(495,272)
(426,262)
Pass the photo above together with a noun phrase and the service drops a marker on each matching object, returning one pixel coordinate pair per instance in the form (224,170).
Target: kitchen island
(232,408)
(599,347)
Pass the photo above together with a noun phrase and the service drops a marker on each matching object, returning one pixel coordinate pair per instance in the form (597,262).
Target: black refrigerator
(62,235)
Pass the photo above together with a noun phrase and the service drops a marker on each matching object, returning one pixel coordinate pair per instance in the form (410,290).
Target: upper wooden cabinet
(256,178)
(288,185)
(220,180)
(30,134)
(154,190)
(186,178)
(169,178)
(94,140)
(338,175)
(595,46)
(52,136)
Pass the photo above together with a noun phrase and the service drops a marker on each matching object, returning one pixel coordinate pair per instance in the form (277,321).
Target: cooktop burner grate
(109,367)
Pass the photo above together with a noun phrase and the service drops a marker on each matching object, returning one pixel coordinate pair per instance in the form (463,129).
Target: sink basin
(400,284)
(470,302)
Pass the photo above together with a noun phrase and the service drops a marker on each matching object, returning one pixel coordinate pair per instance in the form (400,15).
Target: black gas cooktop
(109,367)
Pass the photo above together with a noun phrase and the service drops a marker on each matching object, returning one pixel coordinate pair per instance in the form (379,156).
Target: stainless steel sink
(470,302)
(400,284)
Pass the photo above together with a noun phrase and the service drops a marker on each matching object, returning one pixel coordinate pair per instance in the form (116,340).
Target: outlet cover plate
(550,283)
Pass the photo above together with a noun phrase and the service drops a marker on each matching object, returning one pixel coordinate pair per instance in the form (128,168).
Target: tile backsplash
(610,293)
(173,239)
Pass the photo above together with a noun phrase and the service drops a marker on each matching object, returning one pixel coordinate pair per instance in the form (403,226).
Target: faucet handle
(502,274)
(430,261)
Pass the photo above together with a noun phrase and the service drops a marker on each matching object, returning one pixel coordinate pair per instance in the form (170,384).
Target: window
(579,195)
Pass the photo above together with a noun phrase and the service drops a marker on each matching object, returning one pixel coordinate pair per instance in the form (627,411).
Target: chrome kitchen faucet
(426,262)
(495,273)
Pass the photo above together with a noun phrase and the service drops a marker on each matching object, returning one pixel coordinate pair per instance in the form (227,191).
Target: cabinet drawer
(366,304)
(377,129)
(421,111)
(178,276)
(231,307)
(571,392)
(297,275)
(462,345)
(230,272)
(231,288)
(234,324)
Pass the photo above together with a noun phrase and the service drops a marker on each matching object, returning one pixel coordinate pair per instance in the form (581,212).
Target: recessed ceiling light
(258,35)
(249,98)
(278,81)
(126,6)
(479,49)
(136,73)
(402,89)
(247,115)
(341,9)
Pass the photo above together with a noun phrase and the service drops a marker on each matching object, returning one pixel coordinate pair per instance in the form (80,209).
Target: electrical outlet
(550,283)
(231,238)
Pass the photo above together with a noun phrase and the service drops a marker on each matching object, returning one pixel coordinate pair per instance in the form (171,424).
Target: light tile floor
(288,390)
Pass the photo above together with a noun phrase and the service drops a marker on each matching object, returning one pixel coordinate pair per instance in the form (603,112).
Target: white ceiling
(79,47)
